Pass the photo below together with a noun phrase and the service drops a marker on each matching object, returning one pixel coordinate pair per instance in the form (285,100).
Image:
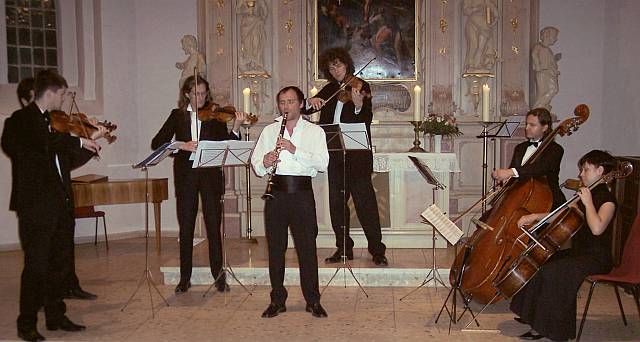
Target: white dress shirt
(531,149)
(311,154)
(196,124)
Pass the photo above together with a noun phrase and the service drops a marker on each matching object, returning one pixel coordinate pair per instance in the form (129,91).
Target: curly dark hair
(187,86)
(329,56)
(544,117)
(598,158)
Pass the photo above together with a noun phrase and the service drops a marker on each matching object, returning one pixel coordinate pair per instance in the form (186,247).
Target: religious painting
(380,29)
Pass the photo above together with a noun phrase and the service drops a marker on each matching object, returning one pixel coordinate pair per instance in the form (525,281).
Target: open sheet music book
(222,153)
(159,154)
(354,136)
(441,222)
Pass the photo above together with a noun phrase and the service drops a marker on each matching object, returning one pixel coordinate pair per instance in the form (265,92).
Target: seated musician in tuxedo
(191,184)
(353,175)
(41,195)
(302,154)
(538,125)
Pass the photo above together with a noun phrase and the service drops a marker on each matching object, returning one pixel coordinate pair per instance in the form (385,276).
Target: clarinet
(267,193)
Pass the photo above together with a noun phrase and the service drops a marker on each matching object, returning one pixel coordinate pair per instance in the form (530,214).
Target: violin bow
(84,129)
(344,84)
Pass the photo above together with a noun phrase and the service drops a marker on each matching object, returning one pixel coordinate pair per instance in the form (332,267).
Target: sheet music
(442,224)
(355,136)
(239,152)
(159,154)
(225,152)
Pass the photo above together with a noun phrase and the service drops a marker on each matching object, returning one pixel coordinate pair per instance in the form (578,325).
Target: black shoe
(30,334)
(316,310)
(337,257)
(79,293)
(222,286)
(519,320)
(380,260)
(65,324)
(273,310)
(183,287)
(530,335)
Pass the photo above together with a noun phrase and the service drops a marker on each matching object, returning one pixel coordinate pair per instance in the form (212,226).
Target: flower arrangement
(440,125)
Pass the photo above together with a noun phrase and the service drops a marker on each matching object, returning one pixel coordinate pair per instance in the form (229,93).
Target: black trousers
(296,211)
(46,250)
(187,207)
(361,190)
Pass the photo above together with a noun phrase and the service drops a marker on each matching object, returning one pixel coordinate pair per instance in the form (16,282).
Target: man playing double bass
(538,125)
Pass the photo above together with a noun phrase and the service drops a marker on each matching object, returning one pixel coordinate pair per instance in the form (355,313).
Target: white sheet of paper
(354,136)
(222,153)
(442,224)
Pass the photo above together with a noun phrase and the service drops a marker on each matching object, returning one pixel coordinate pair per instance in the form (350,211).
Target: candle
(485,103)
(246,92)
(417,116)
(488,15)
(313,92)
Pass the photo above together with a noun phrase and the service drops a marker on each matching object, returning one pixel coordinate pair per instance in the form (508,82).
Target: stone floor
(236,316)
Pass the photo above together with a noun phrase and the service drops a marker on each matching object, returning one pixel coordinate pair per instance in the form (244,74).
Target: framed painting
(381,29)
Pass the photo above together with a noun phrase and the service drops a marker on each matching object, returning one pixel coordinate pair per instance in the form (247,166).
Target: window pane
(49,4)
(51,38)
(22,3)
(38,38)
(12,55)
(12,16)
(37,70)
(11,36)
(25,72)
(50,20)
(25,56)
(23,17)
(10,2)
(36,3)
(24,36)
(52,57)
(38,56)
(36,19)
(13,75)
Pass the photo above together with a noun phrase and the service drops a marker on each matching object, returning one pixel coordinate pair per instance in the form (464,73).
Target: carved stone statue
(482,17)
(441,101)
(253,15)
(545,65)
(195,59)
(513,103)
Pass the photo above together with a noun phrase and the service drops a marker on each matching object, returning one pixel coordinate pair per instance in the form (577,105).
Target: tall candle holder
(416,140)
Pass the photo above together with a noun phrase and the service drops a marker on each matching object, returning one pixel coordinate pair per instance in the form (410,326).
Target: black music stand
(343,138)
(152,160)
(227,153)
(433,274)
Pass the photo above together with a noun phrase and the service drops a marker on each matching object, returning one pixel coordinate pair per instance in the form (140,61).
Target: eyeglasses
(336,66)
(199,94)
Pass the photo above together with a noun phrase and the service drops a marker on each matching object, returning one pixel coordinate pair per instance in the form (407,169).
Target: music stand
(152,160)
(342,138)
(437,185)
(226,153)
(493,129)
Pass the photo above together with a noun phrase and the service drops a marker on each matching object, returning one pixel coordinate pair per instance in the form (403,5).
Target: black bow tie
(533,143)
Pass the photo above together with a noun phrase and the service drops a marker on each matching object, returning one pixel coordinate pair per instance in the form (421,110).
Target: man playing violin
(538,125)
(356,170)
(194,183)
(41,195)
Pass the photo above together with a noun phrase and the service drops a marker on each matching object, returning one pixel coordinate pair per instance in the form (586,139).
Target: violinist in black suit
(337,66)
(191,184)
(538,125)
(41,195)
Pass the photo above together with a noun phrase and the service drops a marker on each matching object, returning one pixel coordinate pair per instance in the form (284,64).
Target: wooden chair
(90,212)
(628,274)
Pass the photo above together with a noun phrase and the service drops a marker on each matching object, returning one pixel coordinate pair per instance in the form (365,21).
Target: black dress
(548,301)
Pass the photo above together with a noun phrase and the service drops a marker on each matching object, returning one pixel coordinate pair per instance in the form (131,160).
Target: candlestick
(246,92)
(416,140)
(417,115)
(485,103)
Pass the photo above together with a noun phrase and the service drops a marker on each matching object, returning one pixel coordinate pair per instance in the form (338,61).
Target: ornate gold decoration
(220,28)
(514,24)
(443,25)
(515,49)
(288,25)
(221,3)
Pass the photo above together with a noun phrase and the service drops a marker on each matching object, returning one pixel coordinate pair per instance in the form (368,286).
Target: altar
(402,195)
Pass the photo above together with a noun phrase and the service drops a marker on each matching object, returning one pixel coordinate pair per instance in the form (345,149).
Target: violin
(79,124)
(213,111)
(344,95)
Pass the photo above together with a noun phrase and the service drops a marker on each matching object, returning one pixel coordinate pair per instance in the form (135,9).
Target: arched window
(32,43)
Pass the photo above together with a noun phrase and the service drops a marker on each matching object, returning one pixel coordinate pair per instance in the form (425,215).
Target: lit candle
(417,116)
(488,15)
(246,92)
(485,103)
(313,92)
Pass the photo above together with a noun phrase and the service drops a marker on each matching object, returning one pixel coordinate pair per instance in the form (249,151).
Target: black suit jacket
(179,125)
(548,165)
(37,188)
(357,162)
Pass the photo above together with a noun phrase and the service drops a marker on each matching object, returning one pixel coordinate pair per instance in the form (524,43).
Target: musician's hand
(357,98)
(502,175)
(190,146)
(99,133)
(527,220)
(316,102)
(269,159)
(585,195)
(241,117)
(286,145)
(90,145)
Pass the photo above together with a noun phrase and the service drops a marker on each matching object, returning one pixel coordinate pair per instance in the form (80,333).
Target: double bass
(486,253)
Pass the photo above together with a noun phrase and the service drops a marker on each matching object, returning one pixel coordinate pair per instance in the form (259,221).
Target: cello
(488,250)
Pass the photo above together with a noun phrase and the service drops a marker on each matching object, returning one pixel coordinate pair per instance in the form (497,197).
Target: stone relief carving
(545,66)
(194,59)
(482,17)
(253,16)
(513,103)
(442,100)
(390,96)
